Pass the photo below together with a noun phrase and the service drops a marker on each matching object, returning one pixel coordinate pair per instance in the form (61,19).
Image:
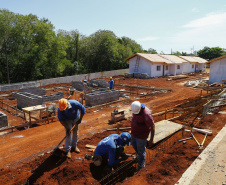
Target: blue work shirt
(111,83)
(107,146)
(73,112)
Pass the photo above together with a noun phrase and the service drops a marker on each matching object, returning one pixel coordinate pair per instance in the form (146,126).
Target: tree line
(31,49)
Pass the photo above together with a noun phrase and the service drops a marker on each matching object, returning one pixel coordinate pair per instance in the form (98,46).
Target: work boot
(68,155)
(75,149)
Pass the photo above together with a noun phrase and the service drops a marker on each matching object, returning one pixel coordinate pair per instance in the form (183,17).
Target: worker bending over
(70,113)
(142,125)
(110,149)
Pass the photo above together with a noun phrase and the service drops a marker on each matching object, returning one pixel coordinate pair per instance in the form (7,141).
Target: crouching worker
(70,113)
(110,151)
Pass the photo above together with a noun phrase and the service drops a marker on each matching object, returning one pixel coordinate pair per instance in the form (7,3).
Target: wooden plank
(112,129)
(90,146)
(164,129)
(33,108)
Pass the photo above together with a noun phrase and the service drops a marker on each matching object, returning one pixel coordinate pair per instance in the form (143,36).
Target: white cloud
(195,10)
(147,39)
(208,20)
(206,31)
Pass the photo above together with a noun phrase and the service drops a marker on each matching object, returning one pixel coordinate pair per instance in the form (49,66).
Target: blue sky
(164,25)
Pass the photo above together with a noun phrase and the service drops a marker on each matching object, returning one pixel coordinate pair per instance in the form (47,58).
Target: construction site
(183,106)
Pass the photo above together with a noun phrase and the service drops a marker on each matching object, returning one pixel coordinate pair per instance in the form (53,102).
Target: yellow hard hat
(110,77)
(63,103)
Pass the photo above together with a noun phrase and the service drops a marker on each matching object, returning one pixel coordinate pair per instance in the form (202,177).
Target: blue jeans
(68,142)
(139,146)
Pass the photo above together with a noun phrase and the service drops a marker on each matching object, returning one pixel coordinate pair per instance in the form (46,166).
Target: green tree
(151,51)
(101,51)
(72,39)
(135,48)
(30,49)
(177,53)
(184,53)
(7,44)
(211,53)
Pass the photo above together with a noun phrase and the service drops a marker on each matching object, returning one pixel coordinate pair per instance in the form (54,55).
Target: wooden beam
(90,146)
(112,129)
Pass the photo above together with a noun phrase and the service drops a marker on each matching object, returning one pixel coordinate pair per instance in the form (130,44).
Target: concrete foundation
(3,120)
(128,75)
(101,97)
(144,76)
(34,90)
(25,99)
(141,75)
(31,90)
(52,97)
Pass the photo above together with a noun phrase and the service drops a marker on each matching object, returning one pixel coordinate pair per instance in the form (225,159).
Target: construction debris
(204,131)
(56,169)
(117,116)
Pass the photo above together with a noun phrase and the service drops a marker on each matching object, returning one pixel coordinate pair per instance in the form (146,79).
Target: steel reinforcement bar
(128,168)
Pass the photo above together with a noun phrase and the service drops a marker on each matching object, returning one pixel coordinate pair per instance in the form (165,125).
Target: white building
(194,64)
(217,69)
(178,64)
(161,65)
(152,64)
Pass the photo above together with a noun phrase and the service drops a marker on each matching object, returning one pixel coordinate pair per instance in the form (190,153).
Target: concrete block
(3,120)
(136,75)
(128,75)
(99,82)
(25,99)
(144,76)
(101,97)
(33,90)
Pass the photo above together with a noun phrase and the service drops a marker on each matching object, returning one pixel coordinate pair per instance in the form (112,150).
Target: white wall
(172,69)
(66,79)
(179,71)
(202,67)
(167,72)
(144,66)
(132,63)
(217,71)
(187,68)
(154,71)
(151,68)
(69,79)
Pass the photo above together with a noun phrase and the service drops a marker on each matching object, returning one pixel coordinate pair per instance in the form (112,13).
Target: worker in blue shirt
(111,148)
(111,83)
(70,113)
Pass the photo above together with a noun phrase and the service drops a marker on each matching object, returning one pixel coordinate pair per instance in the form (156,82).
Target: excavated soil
(25,156)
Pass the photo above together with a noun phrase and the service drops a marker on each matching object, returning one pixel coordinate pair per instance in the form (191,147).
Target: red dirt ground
(23,157)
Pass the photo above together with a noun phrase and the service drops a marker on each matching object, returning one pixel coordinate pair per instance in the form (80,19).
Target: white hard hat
(136,106)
